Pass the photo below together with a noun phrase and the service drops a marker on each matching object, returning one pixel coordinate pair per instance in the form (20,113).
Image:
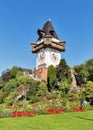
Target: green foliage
(89,67)
(42,86)
(84,72)
(14,71)
(73,96)
(7,95)
(51,77)
(21,79)
(9,100)
(3,95)
(63,79)
(54,100)
(4,112)
(22,105)
(64,88)
(32,92)
(42,89)
(19,73)
(63,71)
(1,83)
(82,94)
(11,85)
(89,89)
(81,74)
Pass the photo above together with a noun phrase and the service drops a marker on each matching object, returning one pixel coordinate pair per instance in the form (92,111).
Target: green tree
(63,71)
(89,90)
(14,71)
(32,92)
(51,78)
(89,67)
(81,74)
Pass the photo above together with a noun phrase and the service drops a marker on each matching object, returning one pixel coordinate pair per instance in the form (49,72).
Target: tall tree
(63,71)
(81,74)
(51,78)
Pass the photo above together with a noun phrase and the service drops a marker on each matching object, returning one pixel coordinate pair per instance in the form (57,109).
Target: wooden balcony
(48,42)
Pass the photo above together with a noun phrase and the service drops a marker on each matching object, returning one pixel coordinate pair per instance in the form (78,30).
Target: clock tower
(48,49)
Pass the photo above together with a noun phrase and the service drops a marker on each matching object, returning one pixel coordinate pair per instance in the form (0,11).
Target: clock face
(41,56)
(54,57)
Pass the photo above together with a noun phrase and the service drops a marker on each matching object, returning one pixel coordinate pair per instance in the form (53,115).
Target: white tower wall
(46,57)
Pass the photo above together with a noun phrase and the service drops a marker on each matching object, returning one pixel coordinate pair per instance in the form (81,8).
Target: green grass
(65,121)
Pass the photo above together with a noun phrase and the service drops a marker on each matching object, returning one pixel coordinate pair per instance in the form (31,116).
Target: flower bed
(20,114)
(59,110)
(52,111)
(79,109)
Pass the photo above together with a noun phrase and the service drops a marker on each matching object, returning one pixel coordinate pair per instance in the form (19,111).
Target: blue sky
(20,19)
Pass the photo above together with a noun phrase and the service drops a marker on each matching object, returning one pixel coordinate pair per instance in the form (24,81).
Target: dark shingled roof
(47,30)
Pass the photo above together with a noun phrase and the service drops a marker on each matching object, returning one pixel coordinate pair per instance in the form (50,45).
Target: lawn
(65,121)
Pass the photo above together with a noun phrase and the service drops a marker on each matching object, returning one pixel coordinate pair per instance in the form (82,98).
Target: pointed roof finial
(49,19)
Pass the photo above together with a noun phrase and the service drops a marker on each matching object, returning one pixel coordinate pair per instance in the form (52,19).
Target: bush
(4,112)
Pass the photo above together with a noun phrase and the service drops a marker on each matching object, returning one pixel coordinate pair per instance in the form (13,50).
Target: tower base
(41,74)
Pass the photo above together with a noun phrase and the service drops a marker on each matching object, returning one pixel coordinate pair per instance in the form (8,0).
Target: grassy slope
(65,121)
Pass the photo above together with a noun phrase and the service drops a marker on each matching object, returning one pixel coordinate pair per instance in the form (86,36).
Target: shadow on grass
(84,118)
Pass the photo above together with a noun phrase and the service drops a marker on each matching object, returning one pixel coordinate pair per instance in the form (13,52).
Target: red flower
(19,114)
(79,109)
(52,111)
